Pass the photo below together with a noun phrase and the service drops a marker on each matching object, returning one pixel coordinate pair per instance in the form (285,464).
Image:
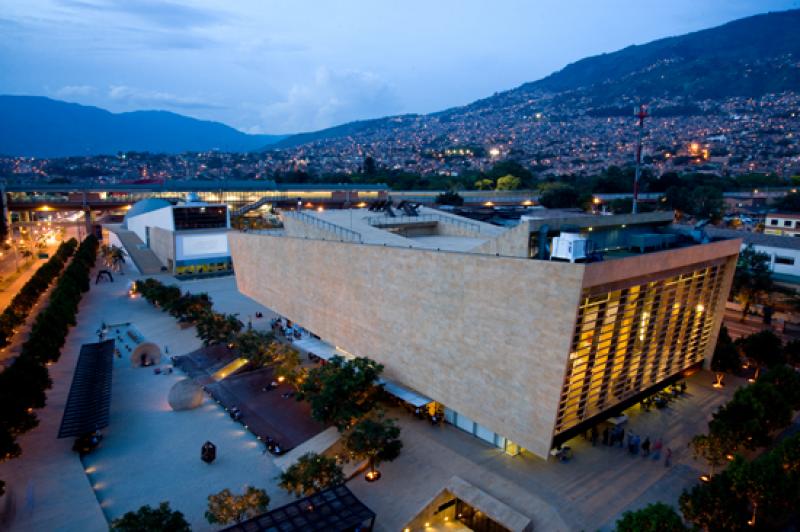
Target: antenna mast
(641,114)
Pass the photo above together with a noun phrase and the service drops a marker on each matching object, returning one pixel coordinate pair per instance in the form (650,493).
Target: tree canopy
(225,507)
(375,439)
(341,391)
(161,519)
(311,473)
(655,517)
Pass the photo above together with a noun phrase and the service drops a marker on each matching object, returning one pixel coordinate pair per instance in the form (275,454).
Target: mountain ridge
(37,126)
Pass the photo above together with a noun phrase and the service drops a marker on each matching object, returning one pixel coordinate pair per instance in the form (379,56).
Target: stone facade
(486,336)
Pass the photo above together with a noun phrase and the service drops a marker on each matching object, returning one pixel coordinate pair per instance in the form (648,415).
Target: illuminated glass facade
(631,337)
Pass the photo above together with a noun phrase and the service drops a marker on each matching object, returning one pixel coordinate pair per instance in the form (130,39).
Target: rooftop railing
(342,232)
(386,221)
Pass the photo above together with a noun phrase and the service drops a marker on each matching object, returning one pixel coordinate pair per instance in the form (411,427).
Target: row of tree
(18,310)
(344,393)
(24,383)
(760,494)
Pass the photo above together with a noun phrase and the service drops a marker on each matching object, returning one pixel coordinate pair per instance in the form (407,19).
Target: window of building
(773,221)
(789,261)
(631,339)
(212,217)
(787,223)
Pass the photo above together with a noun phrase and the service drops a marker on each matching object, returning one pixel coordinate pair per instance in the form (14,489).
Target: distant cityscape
(733,137)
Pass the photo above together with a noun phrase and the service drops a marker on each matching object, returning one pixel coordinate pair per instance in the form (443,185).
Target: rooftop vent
(571,247)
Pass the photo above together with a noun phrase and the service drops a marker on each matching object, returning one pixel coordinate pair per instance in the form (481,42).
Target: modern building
(525,336)
(786,224)
(189,239)
(783,251)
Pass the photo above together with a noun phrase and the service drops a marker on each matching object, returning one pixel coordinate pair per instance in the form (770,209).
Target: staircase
(251,206)
(143,257)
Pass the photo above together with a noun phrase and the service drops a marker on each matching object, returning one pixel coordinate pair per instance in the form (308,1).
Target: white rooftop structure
(429,229)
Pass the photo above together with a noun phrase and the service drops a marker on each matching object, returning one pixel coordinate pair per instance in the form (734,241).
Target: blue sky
(285,66)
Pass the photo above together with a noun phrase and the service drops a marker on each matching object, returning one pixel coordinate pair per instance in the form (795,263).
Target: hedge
(24,382)
(17,311)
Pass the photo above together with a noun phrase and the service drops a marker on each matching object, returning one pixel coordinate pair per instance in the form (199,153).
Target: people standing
(646,447)
(657,449)
(668,457)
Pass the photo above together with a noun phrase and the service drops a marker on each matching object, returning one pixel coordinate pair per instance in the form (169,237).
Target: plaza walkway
(150,453)
(587,493)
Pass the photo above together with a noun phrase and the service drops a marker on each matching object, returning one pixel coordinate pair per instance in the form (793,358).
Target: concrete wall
(157,218)
(297,227)
(162,244)
(488,337)
(201,244)
(514,242)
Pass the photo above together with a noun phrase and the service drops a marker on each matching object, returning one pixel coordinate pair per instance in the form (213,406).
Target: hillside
(40,127)
(749,57)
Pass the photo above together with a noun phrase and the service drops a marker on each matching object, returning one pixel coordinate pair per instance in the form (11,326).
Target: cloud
(159,13)
(331,98)
(76,91)
(145,97)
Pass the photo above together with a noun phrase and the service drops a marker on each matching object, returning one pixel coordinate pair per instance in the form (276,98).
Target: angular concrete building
(525,336)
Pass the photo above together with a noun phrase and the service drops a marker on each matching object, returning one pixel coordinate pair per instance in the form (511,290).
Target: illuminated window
(627,340)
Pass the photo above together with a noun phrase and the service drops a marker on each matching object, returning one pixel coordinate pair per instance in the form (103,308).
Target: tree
(789,203)
(161,519)
(707,203)
(255,346)
(215,328)
(792,352)
(287,364)
(341,391)
(763,348)
(710,448)
(752,279)
(375,439)
(225,507)
(559,196)
(726,356)
(656,517)
(484,184)
(370,169)
(508,182)
(714,506)
(451,197)
(311,473)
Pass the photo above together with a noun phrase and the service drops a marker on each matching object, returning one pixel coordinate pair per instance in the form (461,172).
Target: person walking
(668,457)
(657,449)
(646,447)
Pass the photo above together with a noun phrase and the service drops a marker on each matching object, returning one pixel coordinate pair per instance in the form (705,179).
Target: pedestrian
(668,457)
(594,436)
(657,449)
(646,447)
(605,436)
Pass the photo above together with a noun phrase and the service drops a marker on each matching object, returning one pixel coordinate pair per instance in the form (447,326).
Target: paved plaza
(587,493)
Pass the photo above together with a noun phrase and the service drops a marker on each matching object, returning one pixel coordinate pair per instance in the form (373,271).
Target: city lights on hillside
(494,152)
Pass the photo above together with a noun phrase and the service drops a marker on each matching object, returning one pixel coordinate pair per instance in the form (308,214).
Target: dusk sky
(267,66)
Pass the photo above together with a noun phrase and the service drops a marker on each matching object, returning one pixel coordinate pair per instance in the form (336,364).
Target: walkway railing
(342,232)
(386,221)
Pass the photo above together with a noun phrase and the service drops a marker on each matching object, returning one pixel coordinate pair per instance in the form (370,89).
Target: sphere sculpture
(185,395)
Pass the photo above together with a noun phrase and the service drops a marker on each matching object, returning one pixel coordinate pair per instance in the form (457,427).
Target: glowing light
(361,205)
(488,204)
(596,200)
(700,307)
(527,203)
(494,152)
(320,208)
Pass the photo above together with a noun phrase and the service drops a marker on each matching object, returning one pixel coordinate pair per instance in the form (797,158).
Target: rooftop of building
(787,215)
(754,238)
(427,229)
